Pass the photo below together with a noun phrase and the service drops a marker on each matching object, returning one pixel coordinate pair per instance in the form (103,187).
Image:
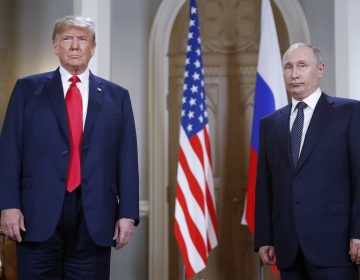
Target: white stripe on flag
(195,210)
(193,160)
(193,255)
(269,61)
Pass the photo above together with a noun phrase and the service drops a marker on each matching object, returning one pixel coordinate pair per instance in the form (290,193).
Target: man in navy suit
(307,214)
(68,165)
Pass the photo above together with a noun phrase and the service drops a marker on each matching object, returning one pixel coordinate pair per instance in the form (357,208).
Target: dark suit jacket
(35,151)
(316,205)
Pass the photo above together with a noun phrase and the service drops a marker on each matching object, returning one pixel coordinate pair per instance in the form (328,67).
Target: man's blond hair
(74,21)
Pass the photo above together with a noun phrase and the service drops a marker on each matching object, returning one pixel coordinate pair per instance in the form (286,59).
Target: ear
(321,69)
(55,47)
(93,50)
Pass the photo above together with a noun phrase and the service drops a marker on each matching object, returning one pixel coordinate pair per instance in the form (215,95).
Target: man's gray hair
(316,51)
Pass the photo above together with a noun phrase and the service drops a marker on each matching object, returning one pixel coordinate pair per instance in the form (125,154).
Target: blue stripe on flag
(264,104)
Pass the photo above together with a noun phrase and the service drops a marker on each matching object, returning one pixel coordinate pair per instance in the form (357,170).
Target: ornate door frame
(298,29)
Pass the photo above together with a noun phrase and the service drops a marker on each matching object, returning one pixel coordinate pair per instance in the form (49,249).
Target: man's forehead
(75,30)
(299,53)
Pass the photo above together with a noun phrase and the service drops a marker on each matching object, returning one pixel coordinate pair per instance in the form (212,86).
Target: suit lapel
(284,134)
(319,120)
(55,92)
(96,94)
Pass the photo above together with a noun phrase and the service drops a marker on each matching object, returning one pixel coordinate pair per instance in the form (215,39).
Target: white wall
(131,22)
(131,25)
(320,16)
(347,22)
(34,24)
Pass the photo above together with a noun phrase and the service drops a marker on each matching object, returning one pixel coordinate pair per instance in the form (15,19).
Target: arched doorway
(233,72)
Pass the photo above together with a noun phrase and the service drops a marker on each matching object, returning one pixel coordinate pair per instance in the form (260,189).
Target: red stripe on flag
(250,202)
(275,271)
(189,270)
(209,199)
(207,144)
(194,186)
(196,145)
(212,212)
(195,235)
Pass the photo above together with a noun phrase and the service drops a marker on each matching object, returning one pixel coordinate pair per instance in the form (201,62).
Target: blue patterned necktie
(296,132)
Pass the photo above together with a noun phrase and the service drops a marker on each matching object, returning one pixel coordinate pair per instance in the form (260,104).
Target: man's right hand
(12,221)
(267,255)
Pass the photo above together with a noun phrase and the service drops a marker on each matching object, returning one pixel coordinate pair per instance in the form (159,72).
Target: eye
(67,38)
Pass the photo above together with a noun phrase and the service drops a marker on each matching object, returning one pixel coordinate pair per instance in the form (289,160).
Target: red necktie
(74,109)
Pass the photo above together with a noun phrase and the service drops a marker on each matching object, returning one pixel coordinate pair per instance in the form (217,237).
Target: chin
(297,95)
(75,66)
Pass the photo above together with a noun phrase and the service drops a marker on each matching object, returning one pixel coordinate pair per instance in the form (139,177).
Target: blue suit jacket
(35,151)
(316,205)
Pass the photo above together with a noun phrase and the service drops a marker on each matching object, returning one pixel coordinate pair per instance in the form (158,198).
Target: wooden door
(8,55)
(230,39)
(7,73)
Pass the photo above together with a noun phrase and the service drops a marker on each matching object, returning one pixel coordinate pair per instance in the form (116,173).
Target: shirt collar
(84,77)
(310,101)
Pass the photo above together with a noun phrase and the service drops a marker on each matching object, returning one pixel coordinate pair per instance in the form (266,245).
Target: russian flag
(270,95)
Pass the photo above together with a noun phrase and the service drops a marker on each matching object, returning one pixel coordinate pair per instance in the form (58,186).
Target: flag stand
(261,270)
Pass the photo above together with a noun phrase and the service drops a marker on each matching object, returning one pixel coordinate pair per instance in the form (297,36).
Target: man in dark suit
(68,165)
(307,215)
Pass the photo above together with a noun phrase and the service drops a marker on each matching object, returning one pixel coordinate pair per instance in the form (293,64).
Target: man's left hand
(355,250)
(124,230)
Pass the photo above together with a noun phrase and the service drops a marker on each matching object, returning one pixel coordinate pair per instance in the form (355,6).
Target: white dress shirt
(83,87)
(311,102)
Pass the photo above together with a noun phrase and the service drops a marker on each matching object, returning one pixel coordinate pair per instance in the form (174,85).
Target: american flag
(195,223)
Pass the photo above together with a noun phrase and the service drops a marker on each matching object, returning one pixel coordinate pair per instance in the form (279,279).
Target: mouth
(295,84)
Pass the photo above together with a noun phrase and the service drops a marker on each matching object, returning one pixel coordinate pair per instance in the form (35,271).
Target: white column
(347,43)
(100,12)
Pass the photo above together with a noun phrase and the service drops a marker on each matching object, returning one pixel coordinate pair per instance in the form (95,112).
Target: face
(74,47)
(302,73)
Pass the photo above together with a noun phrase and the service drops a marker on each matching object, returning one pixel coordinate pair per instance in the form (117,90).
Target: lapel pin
(98,89)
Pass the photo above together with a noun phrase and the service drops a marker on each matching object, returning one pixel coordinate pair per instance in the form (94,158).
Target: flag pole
(261,270)
(184,273)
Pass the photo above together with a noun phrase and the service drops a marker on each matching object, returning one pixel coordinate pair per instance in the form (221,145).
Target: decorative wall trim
(100,12)
(158,137)
(144,208)
(295,20)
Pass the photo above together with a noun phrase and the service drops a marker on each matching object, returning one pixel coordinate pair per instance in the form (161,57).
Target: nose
(294,73)
(75,44)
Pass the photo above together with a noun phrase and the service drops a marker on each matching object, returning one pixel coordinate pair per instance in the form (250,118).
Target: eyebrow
(72,36)
(296,62)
